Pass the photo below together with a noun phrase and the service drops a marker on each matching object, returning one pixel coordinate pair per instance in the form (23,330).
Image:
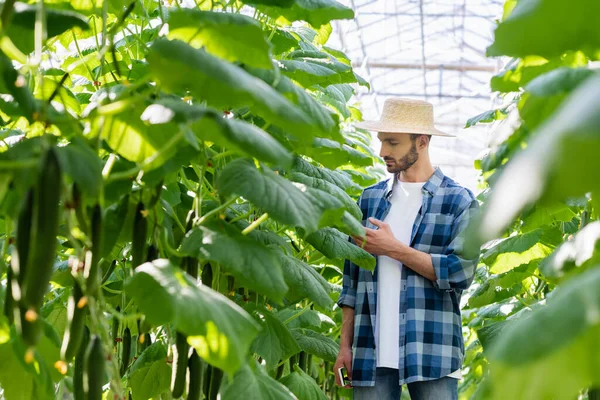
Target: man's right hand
(344,359)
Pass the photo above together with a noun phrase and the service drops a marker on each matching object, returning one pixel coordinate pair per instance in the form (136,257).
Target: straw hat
(404,116)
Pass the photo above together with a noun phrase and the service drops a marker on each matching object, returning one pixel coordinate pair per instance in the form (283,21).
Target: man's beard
(405,162)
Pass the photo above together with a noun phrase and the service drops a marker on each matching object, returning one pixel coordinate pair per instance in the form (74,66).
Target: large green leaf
(487,117)
(82,164)
(219,33)
(316,344)
(274,342)
(338,178)
(502,286)
(565,344)
(310,71)
(21,28)
(150,375)
(521,249)
(250,262)
(552,172)
(303,385)
(519,73)
(224,85)
(315,12)
(549,214)
(536,20)
(283,200)
(220,331)
(252,383)
(306,319)
(333,154)
(304,281)
(209,125)
(319,114)
(322,184)
(335,245)
(558,81)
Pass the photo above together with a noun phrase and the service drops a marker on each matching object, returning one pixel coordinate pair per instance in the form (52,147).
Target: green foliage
(209,145)
(534,305)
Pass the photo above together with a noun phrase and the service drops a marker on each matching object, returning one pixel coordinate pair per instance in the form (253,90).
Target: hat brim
(379,126)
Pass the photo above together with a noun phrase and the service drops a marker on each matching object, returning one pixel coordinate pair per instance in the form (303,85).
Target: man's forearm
(416,260)
(347,333)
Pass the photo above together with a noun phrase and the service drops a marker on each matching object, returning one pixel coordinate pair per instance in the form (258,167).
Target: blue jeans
(387,388)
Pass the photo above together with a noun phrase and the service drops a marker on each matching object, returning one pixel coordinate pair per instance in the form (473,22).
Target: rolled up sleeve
(349,284)
(454,269)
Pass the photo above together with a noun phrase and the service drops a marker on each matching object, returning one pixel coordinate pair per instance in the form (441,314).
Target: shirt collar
(431,186)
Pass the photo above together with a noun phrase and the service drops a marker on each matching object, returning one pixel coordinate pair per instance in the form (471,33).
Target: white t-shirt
(406,201)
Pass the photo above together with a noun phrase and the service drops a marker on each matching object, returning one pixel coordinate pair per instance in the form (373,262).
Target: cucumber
(78,366)
(180,360)
(126,351)
(93,272)
(138,242)
(40,264)
(75,324)
(93,372)
(196,367)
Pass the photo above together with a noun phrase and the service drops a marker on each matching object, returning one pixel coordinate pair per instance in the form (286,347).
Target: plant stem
(216,211)
(255,224)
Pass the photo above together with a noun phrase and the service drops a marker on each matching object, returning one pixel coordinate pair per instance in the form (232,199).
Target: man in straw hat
(402,323)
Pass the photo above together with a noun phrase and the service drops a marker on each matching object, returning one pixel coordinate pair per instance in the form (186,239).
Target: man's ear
(423,141)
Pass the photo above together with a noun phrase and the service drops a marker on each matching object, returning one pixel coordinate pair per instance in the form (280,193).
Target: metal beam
(447,67)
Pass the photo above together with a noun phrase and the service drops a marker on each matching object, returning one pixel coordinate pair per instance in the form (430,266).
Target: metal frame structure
(432,50)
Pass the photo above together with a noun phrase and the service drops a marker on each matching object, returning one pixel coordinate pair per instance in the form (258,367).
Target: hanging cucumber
(9,303)
(180,359)
(138,242)
(76,312)
(196,368)
(93,372)
(45,222)
(115,328)
(92,274)
(215,383)
(23,238)
(126,351)
(78,366)
(78,205)
(152,253)
(207,275)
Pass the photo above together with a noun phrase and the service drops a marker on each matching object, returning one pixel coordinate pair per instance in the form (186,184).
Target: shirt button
(402,316)
(370,289)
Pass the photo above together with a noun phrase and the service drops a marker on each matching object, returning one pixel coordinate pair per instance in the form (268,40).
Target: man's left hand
(379,242)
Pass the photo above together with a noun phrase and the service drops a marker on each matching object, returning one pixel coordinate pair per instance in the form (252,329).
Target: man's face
(398,151)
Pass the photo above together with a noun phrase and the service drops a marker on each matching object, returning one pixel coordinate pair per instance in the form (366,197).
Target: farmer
(401,323)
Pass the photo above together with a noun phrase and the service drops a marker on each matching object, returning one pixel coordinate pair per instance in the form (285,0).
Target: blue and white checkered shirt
(430,344)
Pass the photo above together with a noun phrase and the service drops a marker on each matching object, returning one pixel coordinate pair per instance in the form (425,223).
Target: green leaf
(219,33)
(338,178)
(487,117)
(535,20)
(150,375)
(224,85)
(283,200)
(521,249)
(489,333)
(520,72)
(251,263)
(319,115)
(333,154)
(553,173)
(332,189)
(303,385)
(307,318)
(335,245)
(250,382)
(558,81)
(274,342)
(502,286)
(317,344)
(21,28)
(315,12)
(82,164)
(566,346)
(209,125)
(550,214)
(580,251)
(304,281)
(219,330)
(310,71)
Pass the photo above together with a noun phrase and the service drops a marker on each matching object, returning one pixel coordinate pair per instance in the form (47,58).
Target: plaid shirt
(431,344)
